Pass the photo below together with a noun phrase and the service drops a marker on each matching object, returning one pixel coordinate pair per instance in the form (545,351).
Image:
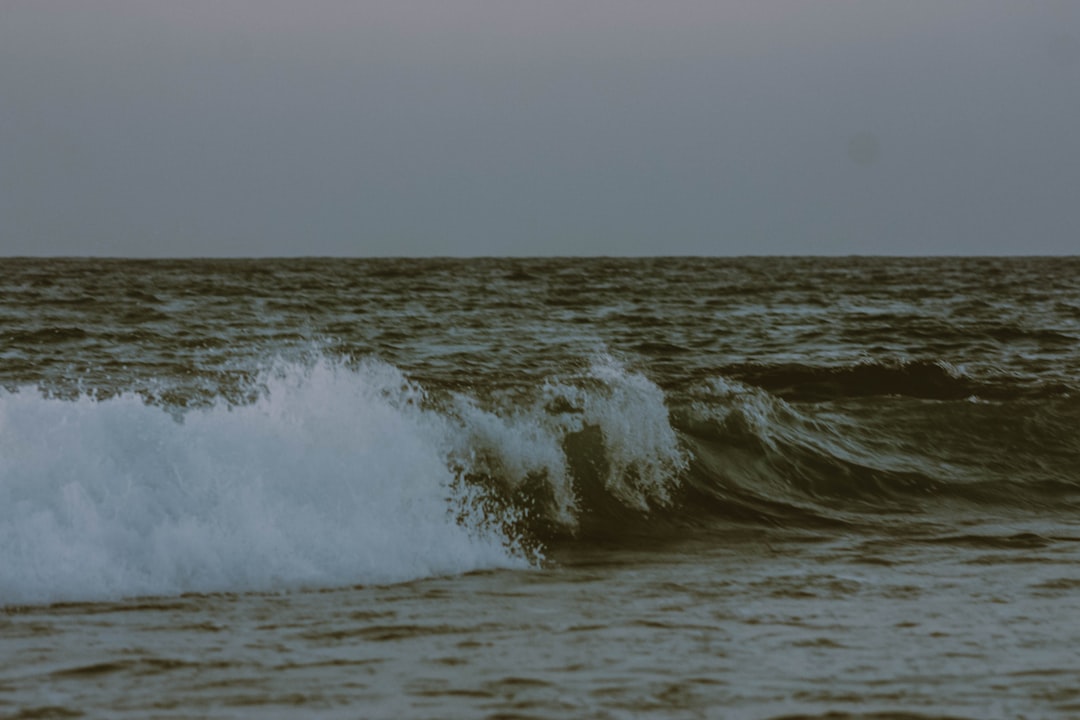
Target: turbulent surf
(232,425)
(540,488)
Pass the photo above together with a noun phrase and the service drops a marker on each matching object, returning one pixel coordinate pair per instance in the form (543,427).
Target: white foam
(515,446)
(641,449)
(333,476)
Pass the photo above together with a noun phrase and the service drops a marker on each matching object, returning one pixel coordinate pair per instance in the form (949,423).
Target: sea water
(732,488)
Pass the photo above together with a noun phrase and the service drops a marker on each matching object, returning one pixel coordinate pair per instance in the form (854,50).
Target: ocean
(751,488)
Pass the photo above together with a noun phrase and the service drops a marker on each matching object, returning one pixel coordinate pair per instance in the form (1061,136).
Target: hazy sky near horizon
(505,127)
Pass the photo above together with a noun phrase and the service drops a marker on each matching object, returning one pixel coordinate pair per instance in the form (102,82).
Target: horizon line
(852,256)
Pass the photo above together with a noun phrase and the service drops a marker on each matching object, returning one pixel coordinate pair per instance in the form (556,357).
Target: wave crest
(327,473)
(924,379)
(601,439)
(331,476)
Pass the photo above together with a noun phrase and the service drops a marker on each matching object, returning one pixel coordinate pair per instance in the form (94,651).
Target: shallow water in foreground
(754,488)
(750,626)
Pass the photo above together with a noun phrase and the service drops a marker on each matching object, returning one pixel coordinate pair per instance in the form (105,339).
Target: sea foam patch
(332,476)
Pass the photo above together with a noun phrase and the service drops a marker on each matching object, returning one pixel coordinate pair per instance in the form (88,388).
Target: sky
(247,128)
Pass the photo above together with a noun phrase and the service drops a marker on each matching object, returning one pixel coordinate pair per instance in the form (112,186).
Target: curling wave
(334,473)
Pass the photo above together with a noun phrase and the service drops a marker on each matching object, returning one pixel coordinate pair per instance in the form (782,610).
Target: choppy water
(541,488)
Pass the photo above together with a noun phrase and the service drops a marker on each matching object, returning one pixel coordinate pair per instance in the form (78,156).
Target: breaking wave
(330,477)
(341,473)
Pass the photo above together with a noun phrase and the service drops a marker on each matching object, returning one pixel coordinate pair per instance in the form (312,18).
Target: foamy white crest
(641,449)
(516,447)
(333,476)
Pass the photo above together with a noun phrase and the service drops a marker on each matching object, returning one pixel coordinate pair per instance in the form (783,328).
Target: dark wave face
(481,413)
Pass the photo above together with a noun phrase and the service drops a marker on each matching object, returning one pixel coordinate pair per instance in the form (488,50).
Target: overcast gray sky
(554,127)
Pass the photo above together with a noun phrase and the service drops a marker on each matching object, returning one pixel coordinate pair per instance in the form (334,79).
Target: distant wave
(758,458)
(935,380)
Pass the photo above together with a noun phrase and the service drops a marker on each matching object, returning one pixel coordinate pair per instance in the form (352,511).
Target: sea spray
(606,425)
(334,473)
(331,476)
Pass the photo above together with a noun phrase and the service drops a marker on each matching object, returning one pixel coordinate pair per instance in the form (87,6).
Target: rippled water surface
(753,488)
